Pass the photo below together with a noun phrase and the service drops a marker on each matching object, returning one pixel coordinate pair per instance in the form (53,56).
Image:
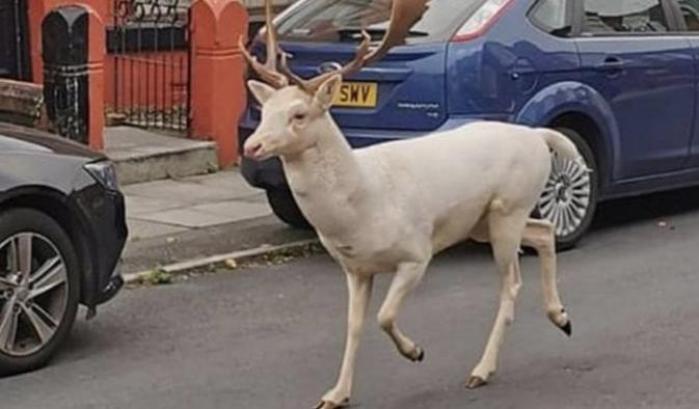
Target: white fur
(389,208)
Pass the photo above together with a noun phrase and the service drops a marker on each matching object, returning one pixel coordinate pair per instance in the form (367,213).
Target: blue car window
(342,20)
(551,16)
(624,16)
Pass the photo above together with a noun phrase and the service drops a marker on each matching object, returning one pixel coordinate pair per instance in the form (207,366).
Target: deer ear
(260,90)
(327,90)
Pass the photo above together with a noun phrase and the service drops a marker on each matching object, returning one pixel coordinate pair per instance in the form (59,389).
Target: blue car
(620,78)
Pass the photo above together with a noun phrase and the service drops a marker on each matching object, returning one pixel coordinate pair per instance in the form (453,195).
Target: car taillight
(481,20)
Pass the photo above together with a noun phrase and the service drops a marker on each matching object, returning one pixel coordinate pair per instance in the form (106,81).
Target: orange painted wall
(218,68)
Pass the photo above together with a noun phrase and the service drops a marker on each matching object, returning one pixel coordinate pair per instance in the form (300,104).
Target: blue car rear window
(342,20)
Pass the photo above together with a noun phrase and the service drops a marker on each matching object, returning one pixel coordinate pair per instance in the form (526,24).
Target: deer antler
(268,71)
(312,85)
(404,15)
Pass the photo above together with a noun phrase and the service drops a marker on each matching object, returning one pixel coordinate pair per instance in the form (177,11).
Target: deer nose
(252,150)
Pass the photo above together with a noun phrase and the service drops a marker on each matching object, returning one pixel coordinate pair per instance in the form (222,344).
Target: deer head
(294,109)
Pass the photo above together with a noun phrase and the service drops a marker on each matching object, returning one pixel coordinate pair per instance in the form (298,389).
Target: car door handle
(611,65)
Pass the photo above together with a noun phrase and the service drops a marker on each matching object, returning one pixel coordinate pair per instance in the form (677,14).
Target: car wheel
(569,199)
(284,207)
(39,289)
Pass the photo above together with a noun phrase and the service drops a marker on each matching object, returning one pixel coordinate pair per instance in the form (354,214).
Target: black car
(62,231)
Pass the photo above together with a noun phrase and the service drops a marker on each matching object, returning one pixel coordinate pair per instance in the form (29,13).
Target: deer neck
(326,180)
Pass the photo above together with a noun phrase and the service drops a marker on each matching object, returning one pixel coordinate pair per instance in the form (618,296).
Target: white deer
(389,208)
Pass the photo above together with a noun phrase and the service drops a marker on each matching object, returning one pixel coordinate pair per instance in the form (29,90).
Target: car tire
(51,294)
(285,208)
(570,198)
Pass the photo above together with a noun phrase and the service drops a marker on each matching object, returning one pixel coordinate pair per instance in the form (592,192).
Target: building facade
(165,64)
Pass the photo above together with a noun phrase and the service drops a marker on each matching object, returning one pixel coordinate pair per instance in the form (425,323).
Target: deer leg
(540,235)
(505,236)
(359,288)
(406,279)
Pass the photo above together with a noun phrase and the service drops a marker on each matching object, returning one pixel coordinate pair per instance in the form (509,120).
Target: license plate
(357,95)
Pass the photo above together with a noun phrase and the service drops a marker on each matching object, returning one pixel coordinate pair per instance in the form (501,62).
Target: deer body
(389,208)
(378,205)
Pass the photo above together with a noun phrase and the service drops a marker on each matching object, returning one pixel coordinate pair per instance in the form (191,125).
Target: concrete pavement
(178,211)
(170,206)
(177,220)
(272,337)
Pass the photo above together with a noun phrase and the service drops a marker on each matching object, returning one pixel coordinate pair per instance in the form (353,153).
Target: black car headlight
(104,172)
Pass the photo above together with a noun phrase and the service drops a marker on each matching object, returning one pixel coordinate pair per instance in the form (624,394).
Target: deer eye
(300,116)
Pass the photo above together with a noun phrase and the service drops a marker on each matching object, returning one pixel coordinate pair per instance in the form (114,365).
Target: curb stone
(220,260)
(146,254)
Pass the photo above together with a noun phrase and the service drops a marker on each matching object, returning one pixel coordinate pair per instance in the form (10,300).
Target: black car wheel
(570,196)
(39,289)
(284,207)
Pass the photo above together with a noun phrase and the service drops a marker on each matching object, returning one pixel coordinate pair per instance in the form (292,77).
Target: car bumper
(111,235)
(104,215)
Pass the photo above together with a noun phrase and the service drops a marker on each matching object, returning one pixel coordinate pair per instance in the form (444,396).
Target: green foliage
(156,277)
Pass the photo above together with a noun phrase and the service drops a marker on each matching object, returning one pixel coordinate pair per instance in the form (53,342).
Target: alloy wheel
(567,196)
(33,293)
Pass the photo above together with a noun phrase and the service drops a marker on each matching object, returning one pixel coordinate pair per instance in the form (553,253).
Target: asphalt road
(271,338)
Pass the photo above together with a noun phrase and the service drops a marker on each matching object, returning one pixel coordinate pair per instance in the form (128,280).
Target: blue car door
(688,16)
(630,54)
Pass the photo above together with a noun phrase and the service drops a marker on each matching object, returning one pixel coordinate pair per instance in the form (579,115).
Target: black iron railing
(150,43)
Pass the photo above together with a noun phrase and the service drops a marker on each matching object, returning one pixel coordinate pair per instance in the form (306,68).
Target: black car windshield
(343,20)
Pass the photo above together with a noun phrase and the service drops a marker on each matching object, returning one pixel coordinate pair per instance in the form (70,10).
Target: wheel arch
(589,131)
(55,204)
(581,108)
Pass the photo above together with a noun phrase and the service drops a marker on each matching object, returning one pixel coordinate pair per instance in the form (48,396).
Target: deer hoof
(475,382)
(416,355)
(420,355)
(325,404)
(568,328)
(561,321)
